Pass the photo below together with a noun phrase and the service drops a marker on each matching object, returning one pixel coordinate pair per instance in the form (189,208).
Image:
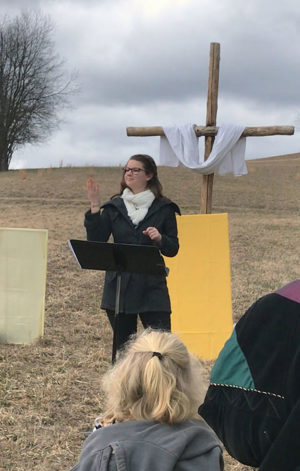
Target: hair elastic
(157,354)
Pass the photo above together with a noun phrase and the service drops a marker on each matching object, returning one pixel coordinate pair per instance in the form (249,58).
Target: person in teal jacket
(150,419)
(253,401)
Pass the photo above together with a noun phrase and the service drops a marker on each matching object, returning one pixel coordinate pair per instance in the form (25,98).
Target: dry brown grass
(50,392)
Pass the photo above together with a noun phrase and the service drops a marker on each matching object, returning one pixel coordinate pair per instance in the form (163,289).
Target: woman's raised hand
(92,192)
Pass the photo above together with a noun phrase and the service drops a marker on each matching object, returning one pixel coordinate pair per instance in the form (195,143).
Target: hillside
(50,392)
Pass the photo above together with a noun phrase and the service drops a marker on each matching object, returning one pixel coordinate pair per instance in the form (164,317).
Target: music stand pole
(116,319)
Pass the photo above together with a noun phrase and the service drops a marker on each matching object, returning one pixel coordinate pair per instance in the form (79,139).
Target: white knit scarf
(137,204)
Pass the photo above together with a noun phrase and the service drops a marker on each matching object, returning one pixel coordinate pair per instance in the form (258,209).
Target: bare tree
(33,87)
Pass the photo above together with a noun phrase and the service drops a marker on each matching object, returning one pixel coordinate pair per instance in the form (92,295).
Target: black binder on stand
(144,259)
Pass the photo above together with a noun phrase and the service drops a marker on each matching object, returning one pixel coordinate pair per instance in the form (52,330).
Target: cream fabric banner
(23,264)
(199,284)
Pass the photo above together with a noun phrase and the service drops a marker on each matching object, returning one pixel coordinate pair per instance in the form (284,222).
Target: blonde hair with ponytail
(155,379)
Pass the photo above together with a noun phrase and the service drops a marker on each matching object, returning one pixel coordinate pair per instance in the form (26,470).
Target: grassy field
(50,392)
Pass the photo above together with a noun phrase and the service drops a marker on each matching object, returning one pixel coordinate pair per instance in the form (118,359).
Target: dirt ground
(50,392)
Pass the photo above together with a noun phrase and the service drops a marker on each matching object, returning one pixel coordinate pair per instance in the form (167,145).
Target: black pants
(127,323)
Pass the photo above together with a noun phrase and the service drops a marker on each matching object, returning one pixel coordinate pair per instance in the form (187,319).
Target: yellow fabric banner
(199,284)
(23,264)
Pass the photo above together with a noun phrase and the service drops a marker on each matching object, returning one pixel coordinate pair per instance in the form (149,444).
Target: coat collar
(118,203)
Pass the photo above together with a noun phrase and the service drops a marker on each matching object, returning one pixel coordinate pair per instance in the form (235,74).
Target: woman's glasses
(134,170)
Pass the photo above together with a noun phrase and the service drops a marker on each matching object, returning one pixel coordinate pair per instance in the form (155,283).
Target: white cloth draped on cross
(180,147)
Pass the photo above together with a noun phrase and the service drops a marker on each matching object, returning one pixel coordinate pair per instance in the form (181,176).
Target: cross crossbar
(213,130)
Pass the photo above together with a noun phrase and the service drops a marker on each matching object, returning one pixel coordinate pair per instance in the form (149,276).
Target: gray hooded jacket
(151,446)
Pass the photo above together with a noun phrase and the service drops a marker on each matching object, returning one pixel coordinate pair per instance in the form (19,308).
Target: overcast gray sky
(145,63)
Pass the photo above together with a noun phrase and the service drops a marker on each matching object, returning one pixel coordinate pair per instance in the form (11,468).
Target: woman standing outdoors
(139,215)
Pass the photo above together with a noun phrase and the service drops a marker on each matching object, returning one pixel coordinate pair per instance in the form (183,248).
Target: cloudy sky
(145,63)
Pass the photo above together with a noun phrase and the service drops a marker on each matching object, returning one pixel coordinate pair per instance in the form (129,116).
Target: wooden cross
(210,130)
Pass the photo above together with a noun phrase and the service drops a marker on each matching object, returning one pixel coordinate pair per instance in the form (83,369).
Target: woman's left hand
(153,233)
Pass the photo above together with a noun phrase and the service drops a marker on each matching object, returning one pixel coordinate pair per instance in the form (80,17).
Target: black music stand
(144,259)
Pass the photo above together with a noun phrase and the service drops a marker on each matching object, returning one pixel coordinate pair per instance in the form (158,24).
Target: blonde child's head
(155,379)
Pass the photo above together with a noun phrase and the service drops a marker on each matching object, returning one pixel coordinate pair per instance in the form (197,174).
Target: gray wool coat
(151,446)
(139,293)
